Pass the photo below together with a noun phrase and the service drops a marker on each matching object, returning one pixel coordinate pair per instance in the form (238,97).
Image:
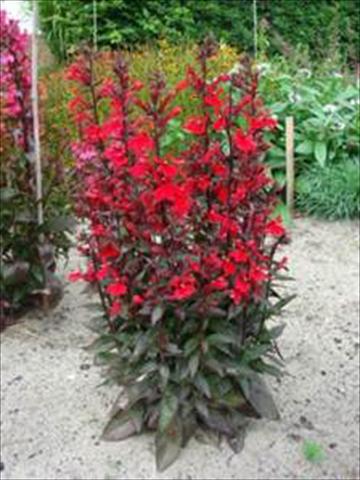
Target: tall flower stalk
(181,247)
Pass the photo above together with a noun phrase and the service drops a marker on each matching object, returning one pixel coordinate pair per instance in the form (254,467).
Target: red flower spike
(117,289)
(245,143)
(196,125)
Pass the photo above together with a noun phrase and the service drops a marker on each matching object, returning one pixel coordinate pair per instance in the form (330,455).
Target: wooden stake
(95,25)
(255,27)
(35,111)
(290,170)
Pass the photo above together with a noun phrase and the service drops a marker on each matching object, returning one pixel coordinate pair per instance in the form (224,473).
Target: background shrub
(323,27)
(27,250)
(331,192)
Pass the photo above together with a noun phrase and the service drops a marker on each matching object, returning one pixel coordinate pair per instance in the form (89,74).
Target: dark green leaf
(141,346)
(189,427)
(260,399)
(168,445)
(202,408)
(164,375)
(157,314)
(217,338)
(237,441)
(275,332)
(255,351)
(190,346)
(220,422)
(7,193)
(278,306)
(202,384)
(194,364)
(124,424)
(168,409)
(207,437)
(15,273)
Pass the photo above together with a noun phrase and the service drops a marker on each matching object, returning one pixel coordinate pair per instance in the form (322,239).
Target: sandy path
(53,413)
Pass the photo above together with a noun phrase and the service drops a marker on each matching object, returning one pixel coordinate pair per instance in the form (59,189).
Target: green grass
(313,452)
(331,192)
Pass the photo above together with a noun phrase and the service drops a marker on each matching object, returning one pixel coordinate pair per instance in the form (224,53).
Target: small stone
(306,423)
(85,366)
(323,372)
(332,445)
(337,340)
(295,436)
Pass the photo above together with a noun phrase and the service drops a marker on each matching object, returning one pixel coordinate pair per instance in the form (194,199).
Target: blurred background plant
(318,26)
(28,251)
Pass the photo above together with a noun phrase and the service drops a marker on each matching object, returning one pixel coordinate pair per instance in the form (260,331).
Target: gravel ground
(53,409)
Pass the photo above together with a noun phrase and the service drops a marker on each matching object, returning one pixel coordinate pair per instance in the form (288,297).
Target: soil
(53,409)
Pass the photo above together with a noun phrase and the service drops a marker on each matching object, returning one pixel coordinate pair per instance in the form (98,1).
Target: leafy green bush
(325,108)
(315,25)
(331,192)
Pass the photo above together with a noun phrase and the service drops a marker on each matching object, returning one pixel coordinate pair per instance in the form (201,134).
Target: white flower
(337,74)
(355,101)
(305,72)
(157,239)
(330,108)
(294,97)
(263,68)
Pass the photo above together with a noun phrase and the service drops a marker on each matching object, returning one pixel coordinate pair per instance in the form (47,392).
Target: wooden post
(255,27)
(290,171)
(95,25)
(35,111)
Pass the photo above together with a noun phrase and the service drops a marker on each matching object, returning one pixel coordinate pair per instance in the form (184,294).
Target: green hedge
(319,26)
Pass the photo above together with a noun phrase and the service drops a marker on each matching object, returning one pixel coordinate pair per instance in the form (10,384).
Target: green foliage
(325,107)
(331,192)
(313,452)
(284,24)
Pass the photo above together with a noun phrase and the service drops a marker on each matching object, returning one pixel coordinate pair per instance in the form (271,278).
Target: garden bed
(53,413)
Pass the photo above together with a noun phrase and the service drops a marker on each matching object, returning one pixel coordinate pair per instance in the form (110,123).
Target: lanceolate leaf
(157,314)
(168,444)
(260,399)
(202,384)
(194,364)
(237,442)
(124,424)
(321,153)
(168,409)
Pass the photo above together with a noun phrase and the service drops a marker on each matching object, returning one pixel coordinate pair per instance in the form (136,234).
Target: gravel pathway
(53,410)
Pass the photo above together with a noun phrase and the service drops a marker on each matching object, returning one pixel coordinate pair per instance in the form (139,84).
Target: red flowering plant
(181,249)
(27,264)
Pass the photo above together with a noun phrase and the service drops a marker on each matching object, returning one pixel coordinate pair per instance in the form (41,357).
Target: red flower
(240,291)
(245,143)
(219,124)
(228,267)
(239,256)
(183,287)
(196,125)
(108,251)
(219,284)
(140,143)
(116,289)
(275,228)
(262,123)
(137,299)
